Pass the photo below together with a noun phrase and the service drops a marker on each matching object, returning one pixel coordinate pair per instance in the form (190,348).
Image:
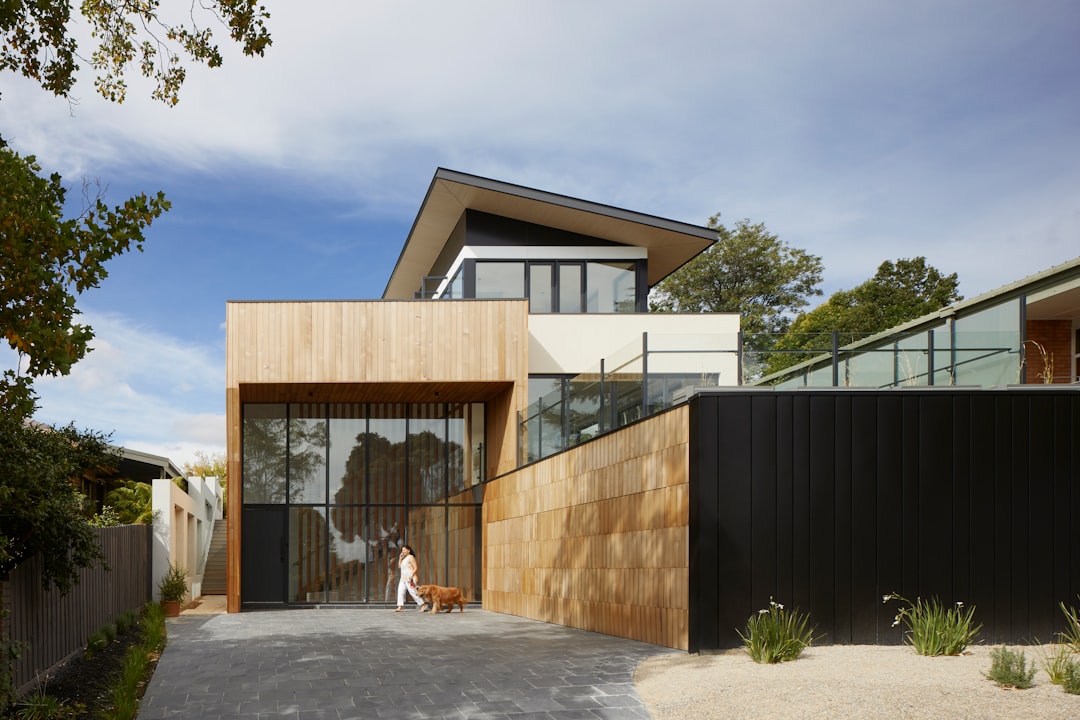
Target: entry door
(262,579)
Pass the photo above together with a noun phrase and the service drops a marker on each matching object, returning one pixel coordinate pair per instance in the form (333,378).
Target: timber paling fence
(51,626)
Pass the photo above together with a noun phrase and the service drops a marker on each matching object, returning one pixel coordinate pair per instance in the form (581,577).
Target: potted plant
(173,588)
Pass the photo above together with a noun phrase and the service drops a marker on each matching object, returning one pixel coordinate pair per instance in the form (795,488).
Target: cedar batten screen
(374,351)
(596,536)
(829,499)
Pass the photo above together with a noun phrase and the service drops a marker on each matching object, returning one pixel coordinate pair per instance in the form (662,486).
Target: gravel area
(846,682)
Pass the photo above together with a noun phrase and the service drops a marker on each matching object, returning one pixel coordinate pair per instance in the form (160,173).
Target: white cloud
(153,392)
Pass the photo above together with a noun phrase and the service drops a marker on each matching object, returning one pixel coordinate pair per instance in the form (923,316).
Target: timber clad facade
(509,411)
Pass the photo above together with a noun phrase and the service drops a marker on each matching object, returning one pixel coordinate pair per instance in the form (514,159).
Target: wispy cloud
(153,392)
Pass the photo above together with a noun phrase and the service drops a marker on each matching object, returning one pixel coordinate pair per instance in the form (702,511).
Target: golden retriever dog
(438,597)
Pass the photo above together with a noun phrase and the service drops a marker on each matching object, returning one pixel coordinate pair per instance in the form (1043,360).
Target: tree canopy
(748,271)
(898,292)
(45,261)
(38,41)
(40,509)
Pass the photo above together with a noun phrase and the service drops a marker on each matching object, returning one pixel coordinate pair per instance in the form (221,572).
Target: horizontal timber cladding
(374,351)
(829,500)
(596,537)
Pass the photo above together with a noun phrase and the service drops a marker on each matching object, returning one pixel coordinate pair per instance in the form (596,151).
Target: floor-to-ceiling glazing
(332,491)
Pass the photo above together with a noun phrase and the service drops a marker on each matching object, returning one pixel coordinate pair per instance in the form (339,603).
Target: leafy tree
(45,260)
(748,271)
(898,292)
(37,41)
(40,509)
(211,465)
(133,502)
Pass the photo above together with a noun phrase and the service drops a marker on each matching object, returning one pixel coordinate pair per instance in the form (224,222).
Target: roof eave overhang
(670,244)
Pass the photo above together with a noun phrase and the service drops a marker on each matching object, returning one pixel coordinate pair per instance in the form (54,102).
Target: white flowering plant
(774,634)
(932,629)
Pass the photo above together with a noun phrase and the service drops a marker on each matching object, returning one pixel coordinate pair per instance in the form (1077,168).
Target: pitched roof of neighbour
(670,243)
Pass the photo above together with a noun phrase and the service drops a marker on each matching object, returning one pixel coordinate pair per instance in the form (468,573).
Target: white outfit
(407,583)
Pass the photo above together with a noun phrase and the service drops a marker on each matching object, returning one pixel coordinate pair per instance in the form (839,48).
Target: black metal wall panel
(829,499)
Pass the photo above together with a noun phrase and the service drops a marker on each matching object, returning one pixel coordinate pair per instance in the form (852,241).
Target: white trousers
(403,586)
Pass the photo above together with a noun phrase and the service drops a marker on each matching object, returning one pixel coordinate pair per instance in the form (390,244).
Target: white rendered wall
(183,524)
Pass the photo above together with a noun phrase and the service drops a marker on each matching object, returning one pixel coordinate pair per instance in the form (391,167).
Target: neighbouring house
(511,410)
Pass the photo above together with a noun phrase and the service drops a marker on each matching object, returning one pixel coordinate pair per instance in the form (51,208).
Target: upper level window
(500,280)
(611,287)
(558,286)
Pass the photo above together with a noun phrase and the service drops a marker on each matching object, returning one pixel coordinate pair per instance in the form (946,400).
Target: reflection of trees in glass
(307,460)
(264,460)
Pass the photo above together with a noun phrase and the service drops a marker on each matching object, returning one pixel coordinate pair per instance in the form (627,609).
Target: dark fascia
(679,241)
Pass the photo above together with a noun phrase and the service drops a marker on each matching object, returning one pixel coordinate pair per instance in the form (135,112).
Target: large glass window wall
(356,481)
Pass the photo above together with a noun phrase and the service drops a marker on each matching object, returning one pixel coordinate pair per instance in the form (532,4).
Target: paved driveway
(310,664)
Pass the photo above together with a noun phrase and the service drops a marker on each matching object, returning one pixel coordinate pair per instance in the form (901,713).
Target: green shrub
(173,585)
(1071,636)
(933,630)
(1070,681)
(42,706)
(1056,663)
(774,634)
(126,620)
(97,641)
(123,691)
(110,631)
(1011,669)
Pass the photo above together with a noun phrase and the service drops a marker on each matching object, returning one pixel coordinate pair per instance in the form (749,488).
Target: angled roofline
(671,243)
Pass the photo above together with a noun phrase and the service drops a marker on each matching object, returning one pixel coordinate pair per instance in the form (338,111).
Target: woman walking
(409,568)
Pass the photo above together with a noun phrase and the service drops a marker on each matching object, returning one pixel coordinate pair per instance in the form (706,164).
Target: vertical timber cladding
(596,536)
(826,500)
(376,351)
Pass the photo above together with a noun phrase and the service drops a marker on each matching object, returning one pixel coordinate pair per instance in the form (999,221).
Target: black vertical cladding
(822,512)
(865,593)
(735,510)
(1040,569)
(800,502)
(941,493)
(763,496)
(982,504)
(1021,520)
(960,521)
(890,528)
(935,490)
(1064,493)
(1003,517)
(785,489)
(703,531)
(842,452)
(909,490)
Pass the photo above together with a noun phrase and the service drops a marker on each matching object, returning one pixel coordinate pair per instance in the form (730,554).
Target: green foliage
(748,271)
(1070,683)
(775,634)
(933,630)
(10,651)
(1057,662)
(132,502)
(173,585)
(126,620)
(95,643)
(123,692)
(47,260)
(1071,635)
(110,631)
(37,42)
(1010,669)
(108,517)
(898,292)
(42,706)
(40,506)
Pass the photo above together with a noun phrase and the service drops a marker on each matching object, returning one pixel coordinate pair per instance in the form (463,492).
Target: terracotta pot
(172,608)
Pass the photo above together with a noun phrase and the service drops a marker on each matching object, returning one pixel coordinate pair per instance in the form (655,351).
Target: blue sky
(858,131)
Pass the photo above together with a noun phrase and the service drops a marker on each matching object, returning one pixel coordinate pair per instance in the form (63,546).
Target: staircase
(213,581)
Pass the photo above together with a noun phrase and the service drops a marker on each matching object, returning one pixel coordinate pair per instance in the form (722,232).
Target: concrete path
(336,664)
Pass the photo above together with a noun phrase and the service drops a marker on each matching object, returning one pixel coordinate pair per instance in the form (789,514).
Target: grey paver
(345,663)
